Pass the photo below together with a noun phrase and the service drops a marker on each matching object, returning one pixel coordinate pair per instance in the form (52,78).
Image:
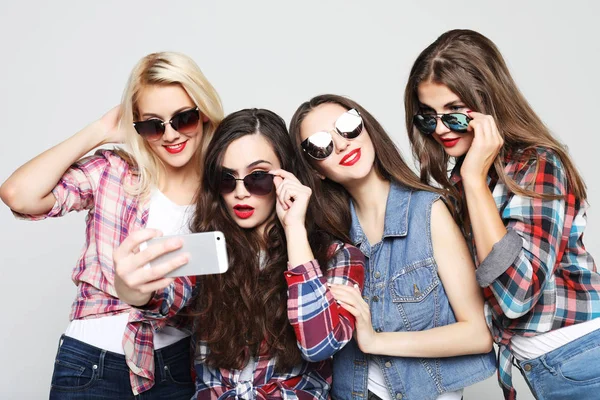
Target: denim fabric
(570,372)
(82,372)
(405,293)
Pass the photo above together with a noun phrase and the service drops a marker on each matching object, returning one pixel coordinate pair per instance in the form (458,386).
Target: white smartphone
(207,254)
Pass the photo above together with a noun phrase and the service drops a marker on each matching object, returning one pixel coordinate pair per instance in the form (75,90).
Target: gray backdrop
(65,63)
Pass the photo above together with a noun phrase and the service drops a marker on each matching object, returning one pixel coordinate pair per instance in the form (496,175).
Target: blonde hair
(164,68)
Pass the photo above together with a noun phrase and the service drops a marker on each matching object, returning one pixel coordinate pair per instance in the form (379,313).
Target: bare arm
(29,189)
(469,335)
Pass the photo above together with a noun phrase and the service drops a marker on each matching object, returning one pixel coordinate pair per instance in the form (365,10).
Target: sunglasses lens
(319,145)
(425,123)
(457,122)
(150,130)
(186,121)
(227,184)
(349,124)
(259,183)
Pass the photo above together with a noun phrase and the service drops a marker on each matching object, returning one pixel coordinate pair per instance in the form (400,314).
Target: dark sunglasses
(183,122)
(426,123)
(319,145)
(259,183)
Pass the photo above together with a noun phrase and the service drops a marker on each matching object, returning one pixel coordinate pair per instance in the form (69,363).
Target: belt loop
(549,368)
(101,364)
(60,342)
(159,365)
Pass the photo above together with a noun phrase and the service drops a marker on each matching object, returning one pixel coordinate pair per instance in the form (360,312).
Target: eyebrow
(252,164)
(185,108)
(451,103)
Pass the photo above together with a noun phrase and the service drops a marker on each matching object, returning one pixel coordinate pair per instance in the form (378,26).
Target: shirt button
(375,298)
(377,275)
(388,364)
(399,396)
(527,367)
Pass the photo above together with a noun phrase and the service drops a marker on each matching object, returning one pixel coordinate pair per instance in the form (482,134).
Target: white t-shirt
(528,348)
(107,332)
(377,384)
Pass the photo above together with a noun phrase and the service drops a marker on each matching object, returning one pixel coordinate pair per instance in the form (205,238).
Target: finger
(352,310)
(143,276)
(284,174)
(277,181)
(475,115)
(156,285)
(155,250)
(133,241)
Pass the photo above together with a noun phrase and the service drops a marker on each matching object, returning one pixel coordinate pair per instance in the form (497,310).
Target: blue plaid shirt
(552,282)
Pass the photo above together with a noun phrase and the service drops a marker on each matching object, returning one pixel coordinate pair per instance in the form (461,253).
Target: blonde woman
(168,114)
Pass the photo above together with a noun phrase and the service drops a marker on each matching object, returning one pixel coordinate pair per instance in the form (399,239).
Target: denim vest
(404,293)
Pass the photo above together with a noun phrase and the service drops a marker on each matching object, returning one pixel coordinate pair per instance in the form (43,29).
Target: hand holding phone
(206,253)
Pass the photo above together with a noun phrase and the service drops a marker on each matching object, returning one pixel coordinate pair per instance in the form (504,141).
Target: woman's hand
(135,280)
(351,299)
(486,145)
(109,126)
(292,199)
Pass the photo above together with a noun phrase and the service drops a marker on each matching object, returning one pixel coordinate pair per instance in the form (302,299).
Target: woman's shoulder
(519,160)
(115,159)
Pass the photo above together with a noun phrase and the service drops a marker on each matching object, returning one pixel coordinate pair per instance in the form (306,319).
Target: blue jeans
(82,372)
(570,372)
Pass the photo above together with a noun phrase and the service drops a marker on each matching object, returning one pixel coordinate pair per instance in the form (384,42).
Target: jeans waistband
(180,349)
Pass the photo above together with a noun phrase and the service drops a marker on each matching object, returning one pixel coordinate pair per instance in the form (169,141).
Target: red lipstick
(174,149)
(243,211)
(350,158)
(450,142)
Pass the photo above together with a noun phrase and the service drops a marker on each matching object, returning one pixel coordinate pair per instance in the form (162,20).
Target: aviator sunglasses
(258,182)
(319,145)
(426,123)
(184,122)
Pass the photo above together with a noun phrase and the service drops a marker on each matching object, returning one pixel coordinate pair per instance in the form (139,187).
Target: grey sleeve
(502,256)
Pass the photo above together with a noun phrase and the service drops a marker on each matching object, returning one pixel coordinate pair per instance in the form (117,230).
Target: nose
(440,128)
(339,143)
(240,191)
(170,134)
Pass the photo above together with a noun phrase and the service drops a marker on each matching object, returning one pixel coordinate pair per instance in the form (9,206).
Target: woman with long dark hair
(420,331)
(268,326)
(522,202)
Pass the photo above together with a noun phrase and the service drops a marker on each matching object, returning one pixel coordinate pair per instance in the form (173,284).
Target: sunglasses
(320,145)
(259,183)
(426,123)
(184,122)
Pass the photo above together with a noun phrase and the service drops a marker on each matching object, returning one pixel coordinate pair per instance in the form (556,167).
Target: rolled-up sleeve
(321,325)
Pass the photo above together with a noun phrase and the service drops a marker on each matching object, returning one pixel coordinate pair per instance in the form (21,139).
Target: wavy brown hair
(333,197)
(471,66)
(243,312)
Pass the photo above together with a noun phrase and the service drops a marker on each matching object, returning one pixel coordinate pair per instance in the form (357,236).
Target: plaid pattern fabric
(96,184)
(322,327)
(553,282)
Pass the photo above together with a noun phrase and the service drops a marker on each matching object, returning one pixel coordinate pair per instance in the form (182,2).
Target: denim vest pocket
(414,293)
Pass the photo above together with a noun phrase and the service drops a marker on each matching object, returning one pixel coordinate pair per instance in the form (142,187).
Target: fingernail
(356,286)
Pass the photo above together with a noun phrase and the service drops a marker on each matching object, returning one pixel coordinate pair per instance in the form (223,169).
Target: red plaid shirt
(552,283)
(97,184)
(322,328)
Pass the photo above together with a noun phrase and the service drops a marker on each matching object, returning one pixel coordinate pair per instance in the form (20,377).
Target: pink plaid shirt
(97,184)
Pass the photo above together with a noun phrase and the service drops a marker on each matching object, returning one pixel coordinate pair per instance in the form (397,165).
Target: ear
(204,118)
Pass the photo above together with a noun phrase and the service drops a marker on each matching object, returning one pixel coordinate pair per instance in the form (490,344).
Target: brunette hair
(333,197)
(471,66)
(244,311)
